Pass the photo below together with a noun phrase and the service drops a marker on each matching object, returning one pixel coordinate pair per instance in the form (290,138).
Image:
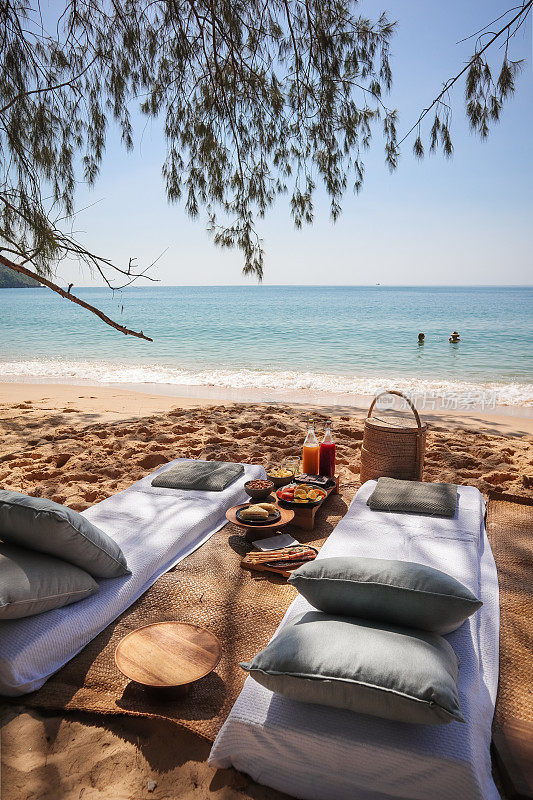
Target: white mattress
(318,753)
(156,528)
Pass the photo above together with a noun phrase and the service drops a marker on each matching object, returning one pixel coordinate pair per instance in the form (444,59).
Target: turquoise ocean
(324,341)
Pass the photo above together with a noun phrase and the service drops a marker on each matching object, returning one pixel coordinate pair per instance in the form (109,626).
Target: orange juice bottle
(310,451)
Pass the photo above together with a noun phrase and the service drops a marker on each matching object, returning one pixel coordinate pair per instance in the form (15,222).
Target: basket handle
(398,394)
(417,418)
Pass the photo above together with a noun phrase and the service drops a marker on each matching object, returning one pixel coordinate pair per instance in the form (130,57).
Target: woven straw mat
(510,531)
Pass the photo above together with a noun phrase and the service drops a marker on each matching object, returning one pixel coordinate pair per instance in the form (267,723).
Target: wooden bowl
(168,655)
(258,494)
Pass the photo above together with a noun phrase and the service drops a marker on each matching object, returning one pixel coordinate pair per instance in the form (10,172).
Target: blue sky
(462,221)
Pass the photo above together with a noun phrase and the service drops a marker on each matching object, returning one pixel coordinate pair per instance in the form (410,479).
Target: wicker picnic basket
(394,449)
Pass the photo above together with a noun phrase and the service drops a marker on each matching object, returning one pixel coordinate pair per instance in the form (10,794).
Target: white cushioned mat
(156,528)
(318,753)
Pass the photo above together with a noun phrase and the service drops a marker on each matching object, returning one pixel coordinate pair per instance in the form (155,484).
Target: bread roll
(254,512)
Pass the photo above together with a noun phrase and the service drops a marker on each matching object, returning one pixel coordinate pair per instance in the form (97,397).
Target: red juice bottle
(327,453)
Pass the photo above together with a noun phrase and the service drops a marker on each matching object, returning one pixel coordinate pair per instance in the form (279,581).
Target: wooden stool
(304,518)
(168,655)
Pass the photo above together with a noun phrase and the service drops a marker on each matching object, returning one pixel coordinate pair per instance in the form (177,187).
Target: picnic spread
(208,588)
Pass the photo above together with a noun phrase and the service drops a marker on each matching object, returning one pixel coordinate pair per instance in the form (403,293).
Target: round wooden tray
(168,655)
(260,531)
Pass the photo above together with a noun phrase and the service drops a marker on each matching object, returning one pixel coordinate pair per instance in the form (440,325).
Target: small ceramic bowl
(258,494)
(278,482)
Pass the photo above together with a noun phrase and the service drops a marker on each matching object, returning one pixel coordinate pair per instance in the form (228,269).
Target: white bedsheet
(317,753)
(156,529)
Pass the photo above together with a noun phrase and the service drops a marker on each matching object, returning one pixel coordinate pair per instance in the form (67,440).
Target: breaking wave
(499,393)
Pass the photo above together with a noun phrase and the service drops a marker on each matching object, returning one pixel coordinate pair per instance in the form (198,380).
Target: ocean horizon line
(263,284)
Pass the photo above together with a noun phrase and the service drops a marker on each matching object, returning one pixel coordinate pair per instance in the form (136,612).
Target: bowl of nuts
(258,489)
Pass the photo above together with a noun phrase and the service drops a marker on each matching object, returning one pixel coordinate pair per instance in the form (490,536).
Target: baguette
(300,553)
(270,507)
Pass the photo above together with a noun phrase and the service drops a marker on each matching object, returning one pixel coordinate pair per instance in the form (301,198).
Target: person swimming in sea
(454,337)
(421,337)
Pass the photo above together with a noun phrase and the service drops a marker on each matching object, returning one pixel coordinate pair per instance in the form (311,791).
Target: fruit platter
(305,495)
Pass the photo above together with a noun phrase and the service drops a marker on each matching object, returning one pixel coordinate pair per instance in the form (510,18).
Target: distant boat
(378,284)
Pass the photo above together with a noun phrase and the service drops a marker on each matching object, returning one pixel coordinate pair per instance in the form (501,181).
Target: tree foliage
(488,83)
(258,98)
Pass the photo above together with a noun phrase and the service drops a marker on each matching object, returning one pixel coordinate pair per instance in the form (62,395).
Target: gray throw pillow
(414,497)
(200,476)
(48,527)
(344,662)
(31,583)
(399,592)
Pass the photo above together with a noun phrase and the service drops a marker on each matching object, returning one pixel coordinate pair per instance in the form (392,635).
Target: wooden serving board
(167,655)
(283,571)
(259,531)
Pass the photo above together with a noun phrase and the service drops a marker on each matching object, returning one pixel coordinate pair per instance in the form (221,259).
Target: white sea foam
(506,394)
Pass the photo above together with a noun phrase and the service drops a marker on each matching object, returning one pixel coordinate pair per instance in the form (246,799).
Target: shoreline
(89,403)
(331,399)
(286,386)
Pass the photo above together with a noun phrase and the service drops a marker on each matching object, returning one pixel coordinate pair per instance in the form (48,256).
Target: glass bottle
(310,451)
(327,453)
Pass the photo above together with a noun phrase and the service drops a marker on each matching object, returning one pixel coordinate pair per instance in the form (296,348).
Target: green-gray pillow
(414,497)
(31,583)
(47,527)
(344,662)
(399,592)
(201,476)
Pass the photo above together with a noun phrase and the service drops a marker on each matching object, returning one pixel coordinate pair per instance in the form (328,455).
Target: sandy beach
(80,444)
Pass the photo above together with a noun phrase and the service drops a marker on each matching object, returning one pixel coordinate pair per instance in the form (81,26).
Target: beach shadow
(56,693)
(240,544)
(164,744)
(204,700)
(46,777)
(238,781)
(9,711)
